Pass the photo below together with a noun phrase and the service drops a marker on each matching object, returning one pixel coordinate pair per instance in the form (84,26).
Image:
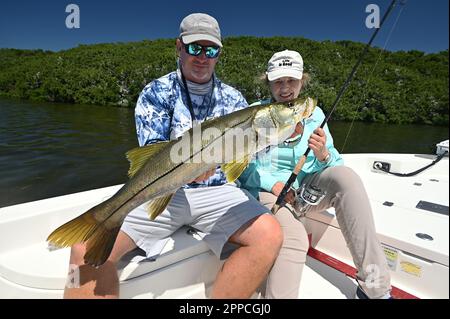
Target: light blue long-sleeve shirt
(277,164)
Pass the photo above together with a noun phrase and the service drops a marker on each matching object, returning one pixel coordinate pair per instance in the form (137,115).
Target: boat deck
(187,267)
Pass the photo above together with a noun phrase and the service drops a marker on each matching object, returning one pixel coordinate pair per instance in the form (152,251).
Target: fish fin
(158,205)
(86,228)
(234,169)
(100,245)
(139,155)
(77,230)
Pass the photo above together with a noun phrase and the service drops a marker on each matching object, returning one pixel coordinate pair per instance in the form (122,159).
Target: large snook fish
(157,171)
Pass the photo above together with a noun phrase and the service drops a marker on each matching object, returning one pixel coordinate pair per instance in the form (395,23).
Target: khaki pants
(346,193)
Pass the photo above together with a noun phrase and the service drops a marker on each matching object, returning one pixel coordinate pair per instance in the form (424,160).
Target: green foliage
(389,87)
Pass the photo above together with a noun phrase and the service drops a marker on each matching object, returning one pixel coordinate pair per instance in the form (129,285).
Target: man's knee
(268,232)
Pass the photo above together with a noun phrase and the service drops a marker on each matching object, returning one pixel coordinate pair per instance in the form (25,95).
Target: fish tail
(78,230)
(100,245)
(86,228)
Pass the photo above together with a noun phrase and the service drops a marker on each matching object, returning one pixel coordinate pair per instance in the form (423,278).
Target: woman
(323,169)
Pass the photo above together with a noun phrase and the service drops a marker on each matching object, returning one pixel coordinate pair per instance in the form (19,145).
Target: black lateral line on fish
(177,166)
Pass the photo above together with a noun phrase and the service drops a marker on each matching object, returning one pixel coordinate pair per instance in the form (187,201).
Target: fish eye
(290,104)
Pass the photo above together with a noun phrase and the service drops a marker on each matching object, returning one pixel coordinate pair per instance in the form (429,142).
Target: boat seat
(37,267)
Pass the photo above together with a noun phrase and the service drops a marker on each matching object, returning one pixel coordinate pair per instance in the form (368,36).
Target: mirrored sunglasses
(196,49)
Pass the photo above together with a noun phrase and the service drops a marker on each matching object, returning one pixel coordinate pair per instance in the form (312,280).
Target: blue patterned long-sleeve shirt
(162,113)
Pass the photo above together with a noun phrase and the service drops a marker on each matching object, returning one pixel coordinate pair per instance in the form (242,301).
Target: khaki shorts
(215,212)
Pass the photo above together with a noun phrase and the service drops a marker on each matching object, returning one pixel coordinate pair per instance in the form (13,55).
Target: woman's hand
(317,142)
(290,196)
(204,176)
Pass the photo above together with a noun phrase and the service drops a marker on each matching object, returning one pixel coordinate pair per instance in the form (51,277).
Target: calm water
(48,150)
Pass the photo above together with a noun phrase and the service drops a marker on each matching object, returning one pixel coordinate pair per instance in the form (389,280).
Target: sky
(28,24)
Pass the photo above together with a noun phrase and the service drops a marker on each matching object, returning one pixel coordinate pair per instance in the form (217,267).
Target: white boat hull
(188,268)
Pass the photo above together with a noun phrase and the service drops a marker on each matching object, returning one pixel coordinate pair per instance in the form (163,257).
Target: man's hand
(317,142)
(204,176)
(290,196)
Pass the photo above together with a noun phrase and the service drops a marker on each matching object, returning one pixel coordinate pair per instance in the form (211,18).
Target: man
(221,213)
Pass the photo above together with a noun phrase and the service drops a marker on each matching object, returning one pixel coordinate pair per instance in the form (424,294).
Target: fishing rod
(298,167)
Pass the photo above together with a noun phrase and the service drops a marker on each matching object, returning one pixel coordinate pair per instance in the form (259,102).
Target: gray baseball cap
(200,26)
